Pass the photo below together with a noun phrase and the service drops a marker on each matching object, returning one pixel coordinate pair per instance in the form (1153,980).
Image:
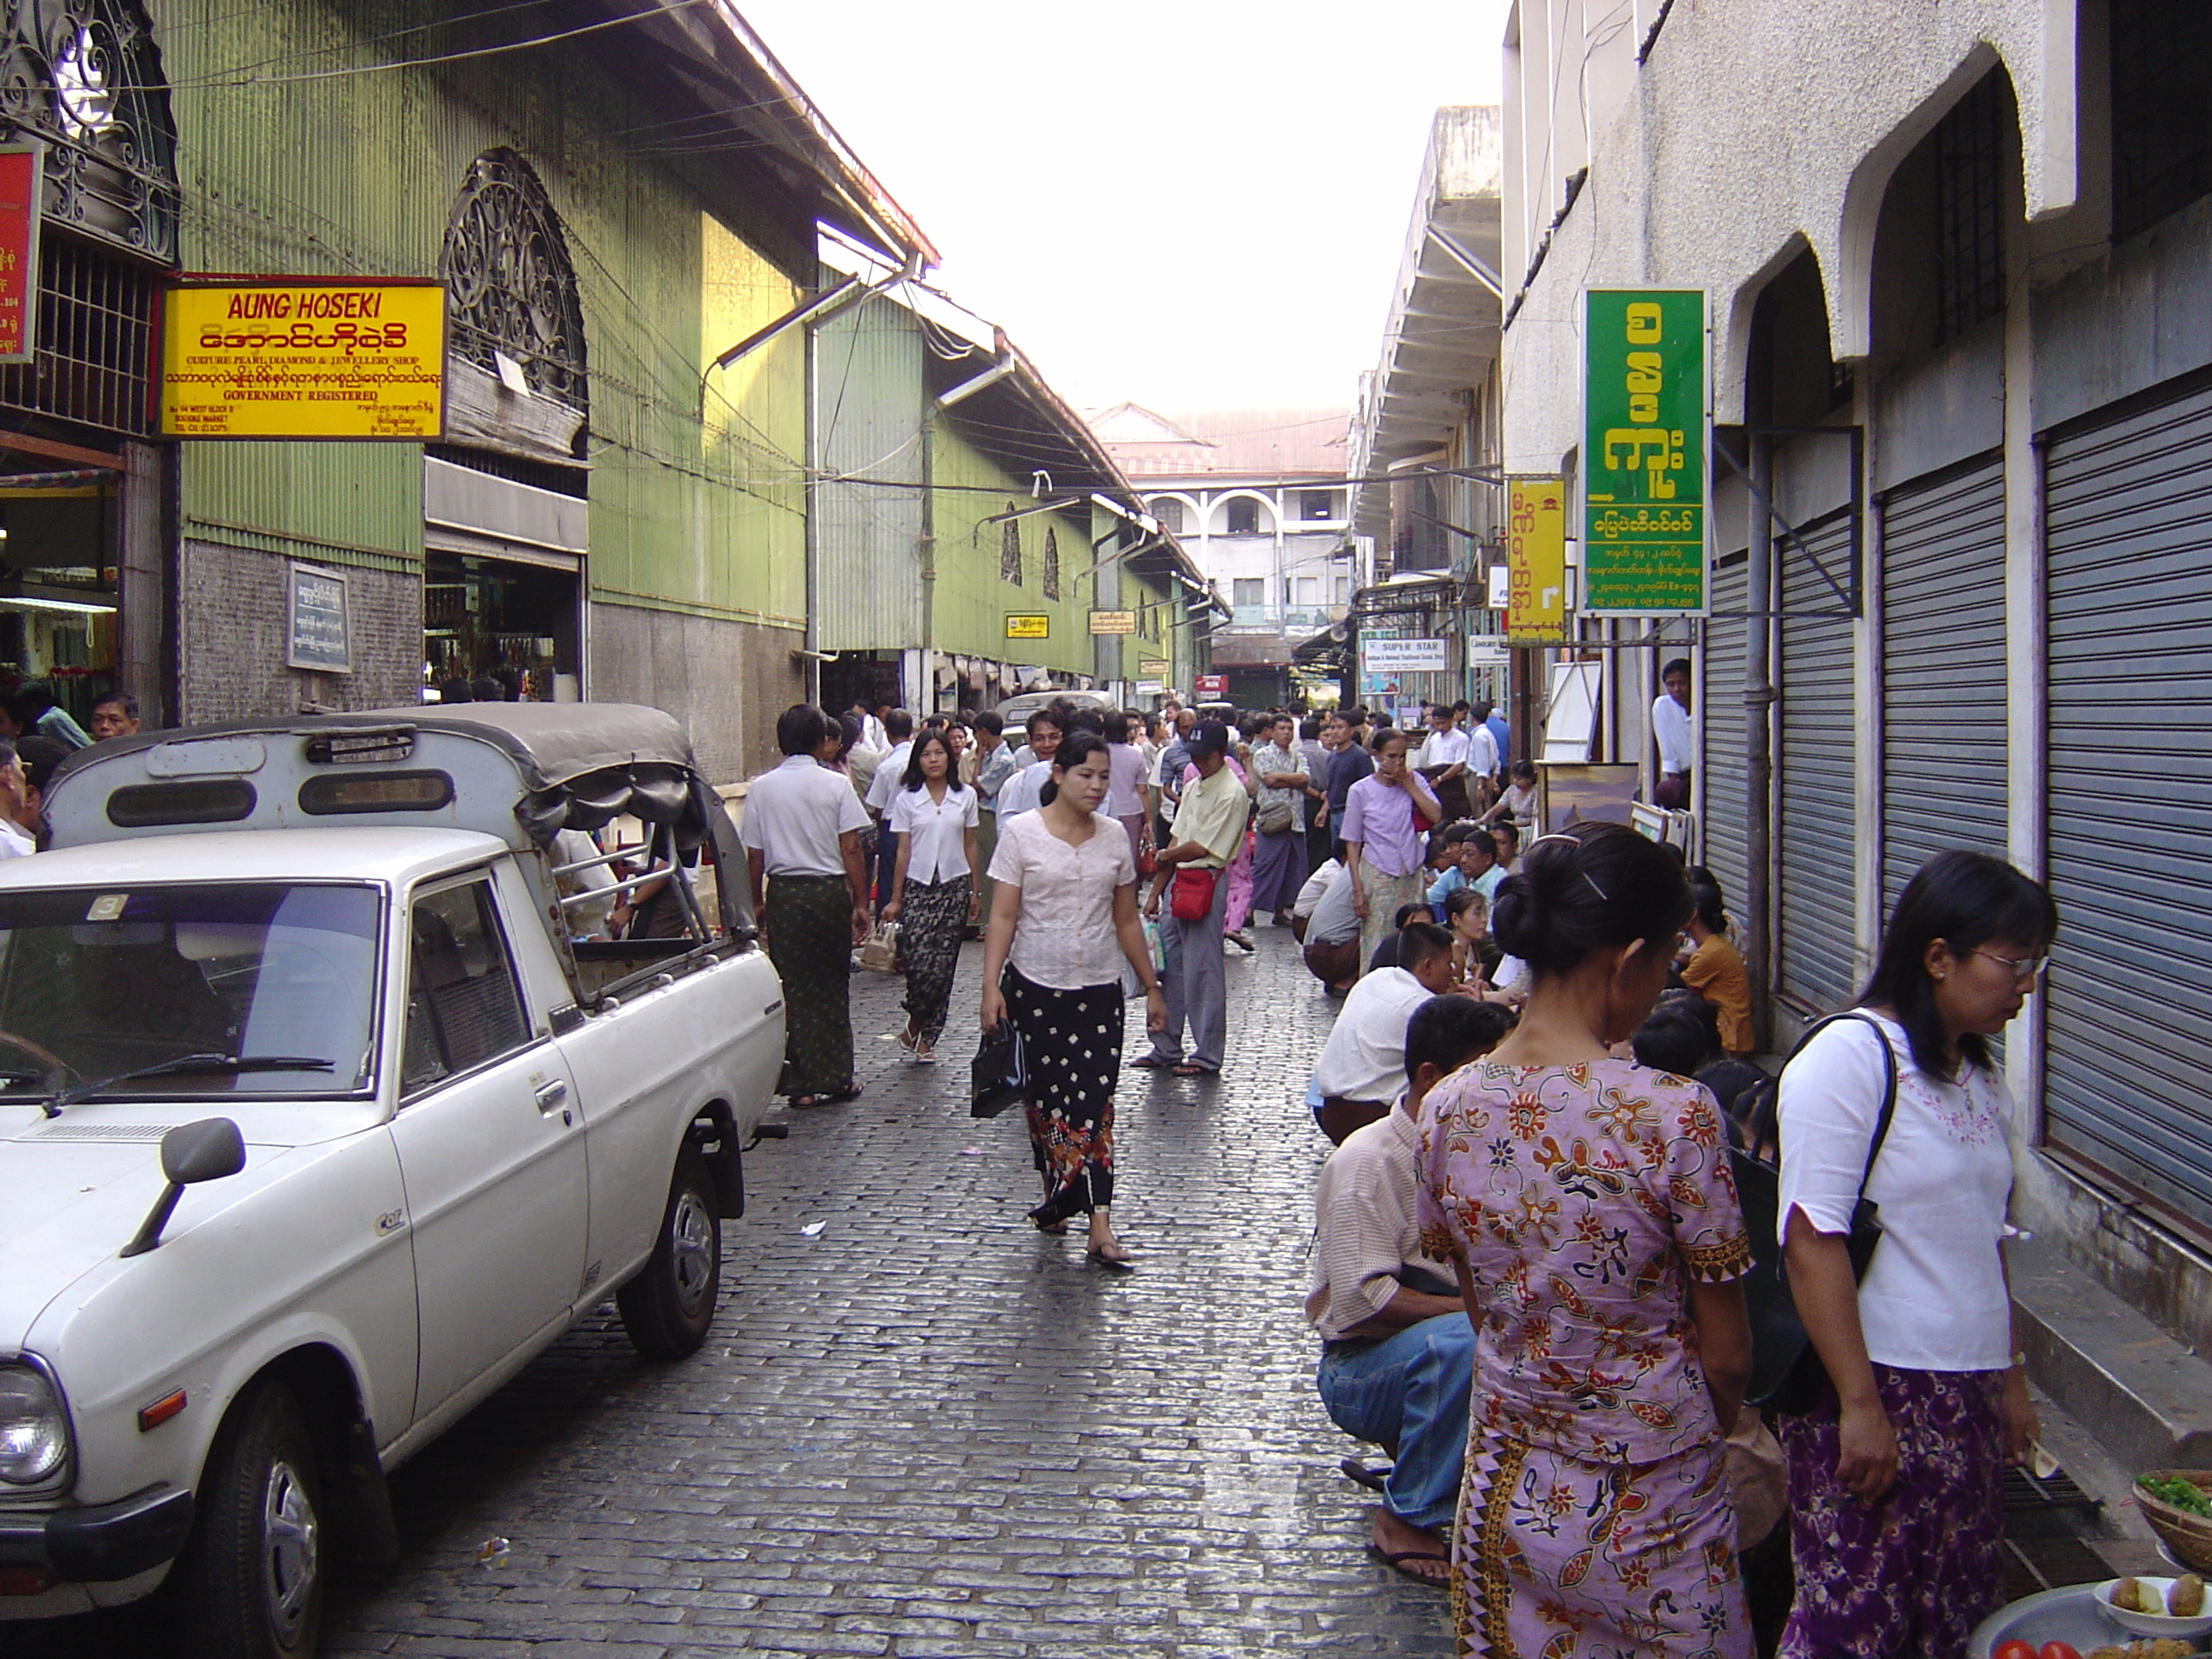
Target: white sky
(1187,202)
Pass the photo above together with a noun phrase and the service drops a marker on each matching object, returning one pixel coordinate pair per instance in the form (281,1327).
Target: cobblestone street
(927,1430)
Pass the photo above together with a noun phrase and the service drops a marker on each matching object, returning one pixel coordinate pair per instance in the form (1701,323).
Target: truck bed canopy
(567,765)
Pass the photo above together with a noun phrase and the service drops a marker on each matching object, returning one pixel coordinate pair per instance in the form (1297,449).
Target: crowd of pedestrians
(1550,1125)
(1577,1178)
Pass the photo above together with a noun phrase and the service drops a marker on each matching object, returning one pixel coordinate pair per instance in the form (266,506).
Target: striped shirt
(1366,1230)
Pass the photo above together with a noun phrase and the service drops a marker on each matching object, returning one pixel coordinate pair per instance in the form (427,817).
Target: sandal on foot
(1057,1228)
(1359,1475)
(1153,1062)
(1189,1068)
(1396,1560)
(1120,1262)
(839,1097)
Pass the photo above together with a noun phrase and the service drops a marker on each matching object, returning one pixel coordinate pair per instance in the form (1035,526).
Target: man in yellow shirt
(1209,823)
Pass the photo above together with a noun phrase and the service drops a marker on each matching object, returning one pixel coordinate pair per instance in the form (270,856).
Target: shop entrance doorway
(497,620)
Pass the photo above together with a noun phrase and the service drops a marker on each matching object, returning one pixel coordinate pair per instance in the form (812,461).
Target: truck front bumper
(107,1541)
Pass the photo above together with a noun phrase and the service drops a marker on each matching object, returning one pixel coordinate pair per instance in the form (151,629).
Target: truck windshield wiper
(189,1066)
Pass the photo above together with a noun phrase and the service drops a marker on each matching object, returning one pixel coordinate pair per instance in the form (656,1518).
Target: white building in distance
(1258,498)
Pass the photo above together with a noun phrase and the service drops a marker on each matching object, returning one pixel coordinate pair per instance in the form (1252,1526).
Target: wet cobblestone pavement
(927,1430)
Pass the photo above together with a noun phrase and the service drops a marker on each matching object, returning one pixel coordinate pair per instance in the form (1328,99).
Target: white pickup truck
(317,1122)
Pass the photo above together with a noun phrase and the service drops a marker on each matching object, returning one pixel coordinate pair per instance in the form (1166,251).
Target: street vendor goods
(2151,1607)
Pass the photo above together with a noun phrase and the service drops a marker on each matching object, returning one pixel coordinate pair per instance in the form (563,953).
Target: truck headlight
(34,1430)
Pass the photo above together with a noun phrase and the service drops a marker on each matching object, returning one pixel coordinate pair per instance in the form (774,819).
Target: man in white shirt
(1446,761)
(1328,926)
(1398,1351)
(1018,794)
(801,830)
(1362,1065)
(890,779)
(16,840)
(1670,725)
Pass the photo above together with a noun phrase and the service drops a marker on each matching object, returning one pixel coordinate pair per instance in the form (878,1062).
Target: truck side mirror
(190,1153)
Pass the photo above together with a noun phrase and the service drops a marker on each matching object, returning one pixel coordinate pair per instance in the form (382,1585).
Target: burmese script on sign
(285,358)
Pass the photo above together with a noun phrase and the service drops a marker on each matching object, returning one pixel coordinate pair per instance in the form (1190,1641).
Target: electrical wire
(217,84)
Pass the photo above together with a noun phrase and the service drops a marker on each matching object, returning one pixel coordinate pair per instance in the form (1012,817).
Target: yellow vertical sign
(1536,560)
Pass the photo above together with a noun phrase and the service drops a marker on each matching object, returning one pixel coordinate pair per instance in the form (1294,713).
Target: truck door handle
(550,1095)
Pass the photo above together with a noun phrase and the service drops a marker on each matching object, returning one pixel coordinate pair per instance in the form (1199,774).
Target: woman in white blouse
(1063,919)
(932,887)
(1896,1476)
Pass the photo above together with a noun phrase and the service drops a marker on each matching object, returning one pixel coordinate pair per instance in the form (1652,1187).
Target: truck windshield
(108,981)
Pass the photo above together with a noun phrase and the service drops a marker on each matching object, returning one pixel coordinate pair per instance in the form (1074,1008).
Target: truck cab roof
(394,856)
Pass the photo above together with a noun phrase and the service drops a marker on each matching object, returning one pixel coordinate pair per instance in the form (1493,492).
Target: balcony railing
(1289,617)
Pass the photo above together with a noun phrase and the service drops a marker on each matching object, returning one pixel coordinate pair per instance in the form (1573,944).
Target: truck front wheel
(252,1578)
(668,1307)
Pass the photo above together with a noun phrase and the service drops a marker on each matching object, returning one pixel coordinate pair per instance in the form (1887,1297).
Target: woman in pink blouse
(1586,1206)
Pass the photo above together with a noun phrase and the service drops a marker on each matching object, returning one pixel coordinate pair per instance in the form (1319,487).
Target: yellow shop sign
(304,357)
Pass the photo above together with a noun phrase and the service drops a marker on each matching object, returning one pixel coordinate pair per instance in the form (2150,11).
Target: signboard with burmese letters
(22,168)
(307,357)
(1031,626)
(1404,657)
(1644,451)
(1113,622)
(1535,560)
(318,631)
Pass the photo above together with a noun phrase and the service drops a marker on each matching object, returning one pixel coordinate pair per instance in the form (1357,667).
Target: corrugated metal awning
(1442,334)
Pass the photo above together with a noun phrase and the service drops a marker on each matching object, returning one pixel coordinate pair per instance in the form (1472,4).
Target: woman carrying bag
(1897,1516)
(1063,919)
(932,888)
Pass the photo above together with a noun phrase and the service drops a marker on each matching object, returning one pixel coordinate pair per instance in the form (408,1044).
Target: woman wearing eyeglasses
(1897,1513)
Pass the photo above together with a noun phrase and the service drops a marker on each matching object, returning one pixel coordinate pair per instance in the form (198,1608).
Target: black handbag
(998,1076)
(1787,1375)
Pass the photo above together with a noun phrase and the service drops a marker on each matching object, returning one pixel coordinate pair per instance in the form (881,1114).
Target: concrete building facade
(1260,499)
(1958,262)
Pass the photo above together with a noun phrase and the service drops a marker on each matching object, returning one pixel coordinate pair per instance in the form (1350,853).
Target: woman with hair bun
(1063,918)
(1587,1207)
(1715,969)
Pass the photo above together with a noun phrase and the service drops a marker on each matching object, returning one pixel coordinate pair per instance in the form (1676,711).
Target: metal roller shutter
(1817,765)
(2130,528)
(1724,760)
(1943,671)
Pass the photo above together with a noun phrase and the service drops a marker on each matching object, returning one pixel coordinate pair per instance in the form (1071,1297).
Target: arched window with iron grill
(510,288)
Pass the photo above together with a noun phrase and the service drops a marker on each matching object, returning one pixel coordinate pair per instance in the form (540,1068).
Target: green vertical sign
(1644,451)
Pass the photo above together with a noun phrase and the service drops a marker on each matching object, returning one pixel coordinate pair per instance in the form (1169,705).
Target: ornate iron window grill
(1051,563)
(510,288)
(1010,549)
(86,78)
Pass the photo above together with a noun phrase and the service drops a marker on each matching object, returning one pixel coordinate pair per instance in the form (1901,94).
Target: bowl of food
(2156,1606)
(2178,1504)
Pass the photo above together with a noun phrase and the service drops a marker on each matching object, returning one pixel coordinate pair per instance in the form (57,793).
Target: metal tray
(2069,1614)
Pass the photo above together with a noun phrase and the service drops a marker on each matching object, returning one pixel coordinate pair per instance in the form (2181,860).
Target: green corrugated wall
(356,174)
(971,602)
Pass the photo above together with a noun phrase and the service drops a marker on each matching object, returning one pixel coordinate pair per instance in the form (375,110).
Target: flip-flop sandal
(1395,1560)
(839,1097)
(1120,1264)
(1152,1063)
(1187,1070)
(1359,1475)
